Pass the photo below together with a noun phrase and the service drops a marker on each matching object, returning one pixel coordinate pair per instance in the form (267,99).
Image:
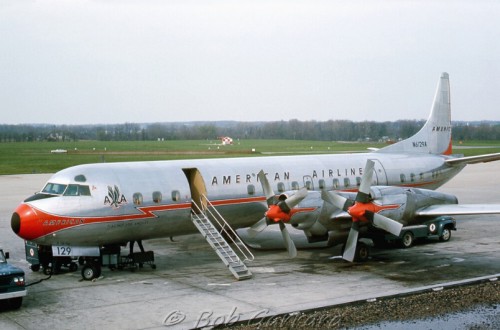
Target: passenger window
(309,185)
(421,176)
(335,183)
(322,184)
(358,181)
(412,177)
(157,197)
(251,189)
(137,197)
(281,187)
(295,185)
(176,196)
(402,177)
(347,182)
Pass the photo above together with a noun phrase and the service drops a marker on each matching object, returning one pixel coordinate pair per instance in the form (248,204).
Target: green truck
(438,228)
(12,284)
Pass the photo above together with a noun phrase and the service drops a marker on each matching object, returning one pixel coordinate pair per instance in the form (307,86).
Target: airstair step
(220,245)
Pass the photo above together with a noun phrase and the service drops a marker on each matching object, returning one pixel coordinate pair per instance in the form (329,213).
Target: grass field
(36,157)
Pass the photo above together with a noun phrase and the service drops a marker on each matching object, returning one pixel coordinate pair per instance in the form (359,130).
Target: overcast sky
(84,62)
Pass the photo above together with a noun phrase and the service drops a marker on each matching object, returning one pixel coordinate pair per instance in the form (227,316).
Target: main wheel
(407,240)
(446,235)
(362,252)
(35,267)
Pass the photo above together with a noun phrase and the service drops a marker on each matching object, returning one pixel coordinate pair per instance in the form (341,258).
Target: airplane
(84,208)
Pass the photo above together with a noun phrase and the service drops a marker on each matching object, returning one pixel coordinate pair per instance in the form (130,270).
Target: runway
(192,288)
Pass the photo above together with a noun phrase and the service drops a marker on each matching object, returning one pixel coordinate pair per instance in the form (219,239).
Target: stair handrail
(225,228)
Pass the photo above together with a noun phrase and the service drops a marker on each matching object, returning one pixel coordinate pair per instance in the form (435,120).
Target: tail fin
(435,136)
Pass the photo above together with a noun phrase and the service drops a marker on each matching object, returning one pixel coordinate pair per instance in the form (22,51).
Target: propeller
(280,211)
(361,209)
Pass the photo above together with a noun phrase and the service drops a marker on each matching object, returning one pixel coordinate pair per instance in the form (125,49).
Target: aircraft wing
(473,159)
(459,209)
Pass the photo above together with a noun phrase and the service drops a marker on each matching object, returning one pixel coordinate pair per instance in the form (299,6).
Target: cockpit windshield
(77,190)
(54,188)
(66,189)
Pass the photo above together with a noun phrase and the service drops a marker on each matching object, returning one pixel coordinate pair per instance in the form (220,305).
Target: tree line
(331,130)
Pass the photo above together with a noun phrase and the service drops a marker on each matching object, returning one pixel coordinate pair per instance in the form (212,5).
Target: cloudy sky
(111,61)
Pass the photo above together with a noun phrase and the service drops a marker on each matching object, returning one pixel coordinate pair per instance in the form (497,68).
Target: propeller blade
(266,186)
(257,227)
(290,246)
(352,241)
(363,195)
(296,198)
(385,223)
(336,200)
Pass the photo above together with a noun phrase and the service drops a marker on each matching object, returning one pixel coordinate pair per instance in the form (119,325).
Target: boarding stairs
(214,227)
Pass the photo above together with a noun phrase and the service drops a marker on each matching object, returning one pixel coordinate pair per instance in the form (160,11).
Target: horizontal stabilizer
(473,159)
(459,209)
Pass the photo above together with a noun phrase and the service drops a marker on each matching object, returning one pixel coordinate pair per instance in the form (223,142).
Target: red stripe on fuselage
(41,223)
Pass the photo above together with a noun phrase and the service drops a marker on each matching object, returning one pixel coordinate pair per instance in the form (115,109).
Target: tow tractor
(91,259)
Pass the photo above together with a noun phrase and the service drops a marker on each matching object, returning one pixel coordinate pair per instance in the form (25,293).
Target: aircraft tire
(90,271)
(47,270)
(362,252)
(446,235)
(35,267)
(407,240)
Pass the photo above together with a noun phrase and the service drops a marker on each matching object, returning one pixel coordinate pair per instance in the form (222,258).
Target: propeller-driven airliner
(86,211)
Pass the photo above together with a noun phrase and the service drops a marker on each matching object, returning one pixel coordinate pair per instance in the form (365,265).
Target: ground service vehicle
(439,228)
(12,286)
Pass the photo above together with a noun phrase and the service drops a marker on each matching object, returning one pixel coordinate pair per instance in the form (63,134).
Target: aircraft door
(197,188)
(380,177)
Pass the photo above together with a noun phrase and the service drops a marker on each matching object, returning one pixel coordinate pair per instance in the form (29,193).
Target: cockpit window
(77,190)
(54,188)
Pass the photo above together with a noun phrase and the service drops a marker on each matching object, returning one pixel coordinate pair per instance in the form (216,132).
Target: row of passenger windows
(413,176)
(157,196)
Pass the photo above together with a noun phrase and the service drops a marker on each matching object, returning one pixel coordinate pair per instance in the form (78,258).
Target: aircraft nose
(24,222)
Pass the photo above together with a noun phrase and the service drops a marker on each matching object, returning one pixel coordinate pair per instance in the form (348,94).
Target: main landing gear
(362,252)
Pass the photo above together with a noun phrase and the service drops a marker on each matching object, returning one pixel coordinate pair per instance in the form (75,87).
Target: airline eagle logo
(115,198)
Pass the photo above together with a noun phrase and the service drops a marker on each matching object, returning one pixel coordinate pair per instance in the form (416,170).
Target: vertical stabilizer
(435,136)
